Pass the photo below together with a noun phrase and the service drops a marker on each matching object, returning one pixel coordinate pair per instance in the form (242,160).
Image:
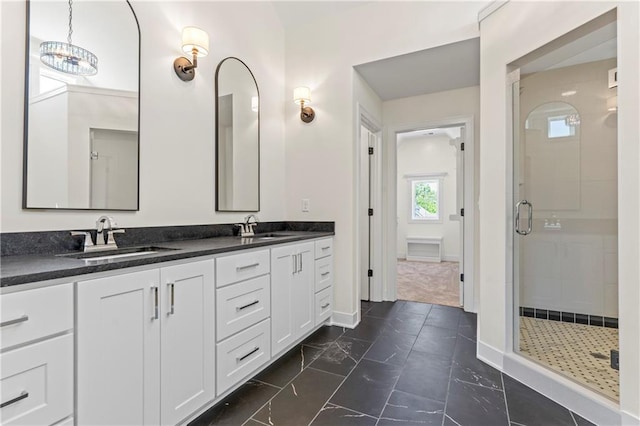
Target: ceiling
(296,13)
(441,68)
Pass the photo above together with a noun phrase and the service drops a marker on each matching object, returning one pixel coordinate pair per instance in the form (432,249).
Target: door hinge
(93,155)
(462,146)
(370,150)
(462,277)
(461,212)
(370,212)
(370,273)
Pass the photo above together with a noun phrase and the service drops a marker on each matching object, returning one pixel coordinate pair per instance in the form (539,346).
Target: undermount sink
(117,253)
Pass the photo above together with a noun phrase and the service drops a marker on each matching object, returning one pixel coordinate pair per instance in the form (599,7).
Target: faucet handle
(110,239)
(87,238)
(242,229)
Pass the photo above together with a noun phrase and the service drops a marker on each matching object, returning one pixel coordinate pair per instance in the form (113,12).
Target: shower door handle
(529,220)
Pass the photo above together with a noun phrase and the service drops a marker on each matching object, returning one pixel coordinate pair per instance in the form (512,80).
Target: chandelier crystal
(66,57)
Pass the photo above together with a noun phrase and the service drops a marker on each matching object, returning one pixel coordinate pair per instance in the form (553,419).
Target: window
(425,199)
(560,127)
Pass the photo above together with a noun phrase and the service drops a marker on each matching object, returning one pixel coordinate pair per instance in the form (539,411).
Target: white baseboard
(343,319)
(490,355)
(451,258)
(628,419)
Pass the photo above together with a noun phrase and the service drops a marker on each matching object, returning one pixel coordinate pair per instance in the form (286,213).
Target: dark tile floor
(405,363)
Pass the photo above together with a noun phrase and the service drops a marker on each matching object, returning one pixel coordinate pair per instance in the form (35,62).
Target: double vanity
(155,334)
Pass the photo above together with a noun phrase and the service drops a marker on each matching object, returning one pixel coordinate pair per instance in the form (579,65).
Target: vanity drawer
(324,273)
(324,305)
(324,248)
(240,267)
(33,314)
(241,305)
(39,379)
(241,355)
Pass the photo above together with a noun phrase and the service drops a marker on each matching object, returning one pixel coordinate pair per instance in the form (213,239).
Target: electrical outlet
(615,359)
(305,204)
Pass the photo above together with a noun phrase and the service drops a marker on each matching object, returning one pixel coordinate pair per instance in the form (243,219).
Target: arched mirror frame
(25,154)
(218,206)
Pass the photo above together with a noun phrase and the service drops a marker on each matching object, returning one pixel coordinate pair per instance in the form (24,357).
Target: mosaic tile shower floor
(581,352)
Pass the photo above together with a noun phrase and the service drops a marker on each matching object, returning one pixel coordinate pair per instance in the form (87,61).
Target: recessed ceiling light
(569,93)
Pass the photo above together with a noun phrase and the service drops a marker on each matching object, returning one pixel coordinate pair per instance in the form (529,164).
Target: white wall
(424,155)
(176,118)
(514,30)
(321,162)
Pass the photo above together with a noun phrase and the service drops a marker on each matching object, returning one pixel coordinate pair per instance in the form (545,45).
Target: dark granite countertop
(29,268)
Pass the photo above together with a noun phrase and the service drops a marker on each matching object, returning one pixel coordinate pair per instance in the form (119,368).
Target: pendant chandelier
(66,57)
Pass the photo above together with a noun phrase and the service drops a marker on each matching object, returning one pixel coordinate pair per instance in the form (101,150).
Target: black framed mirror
(81,121)
(237,138)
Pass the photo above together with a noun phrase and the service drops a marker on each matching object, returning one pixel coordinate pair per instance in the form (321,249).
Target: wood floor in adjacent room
(429,282)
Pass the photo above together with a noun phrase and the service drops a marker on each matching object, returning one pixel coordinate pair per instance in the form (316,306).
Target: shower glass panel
(565,210)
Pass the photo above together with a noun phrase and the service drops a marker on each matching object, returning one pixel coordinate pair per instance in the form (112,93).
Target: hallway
(405,363)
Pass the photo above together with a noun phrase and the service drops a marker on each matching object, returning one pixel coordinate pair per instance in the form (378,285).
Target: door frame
(389,201)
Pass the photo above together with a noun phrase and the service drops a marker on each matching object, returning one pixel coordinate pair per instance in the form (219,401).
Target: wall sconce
(302,95)
(196,42)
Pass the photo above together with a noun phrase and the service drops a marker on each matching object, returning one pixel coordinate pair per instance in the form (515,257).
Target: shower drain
(599,355)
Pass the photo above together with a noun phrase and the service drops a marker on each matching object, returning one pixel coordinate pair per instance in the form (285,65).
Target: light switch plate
(305,204)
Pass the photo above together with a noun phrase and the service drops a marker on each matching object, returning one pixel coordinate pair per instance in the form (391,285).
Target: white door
(303,298)
(188,340)
(118,357)
(282,280)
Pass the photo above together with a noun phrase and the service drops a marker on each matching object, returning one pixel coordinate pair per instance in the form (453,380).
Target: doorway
(429,188)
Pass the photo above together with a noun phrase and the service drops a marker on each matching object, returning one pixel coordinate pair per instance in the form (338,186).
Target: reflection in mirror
(81,133)
(552,150)
(237,138)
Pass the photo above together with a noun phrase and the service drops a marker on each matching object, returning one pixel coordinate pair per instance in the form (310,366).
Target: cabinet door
(188,340)
(303,298)
(118,334)
(282,279)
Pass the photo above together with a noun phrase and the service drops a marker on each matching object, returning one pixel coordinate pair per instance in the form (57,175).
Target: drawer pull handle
(156,309)
(239,308)
(20,397)
(253,265)
(325,273)
(242,358)
(15,321)
(326,247)
(325,306)
(172,309)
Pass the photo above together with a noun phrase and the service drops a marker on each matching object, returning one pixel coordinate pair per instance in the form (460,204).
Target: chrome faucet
(103,223)
(246,228)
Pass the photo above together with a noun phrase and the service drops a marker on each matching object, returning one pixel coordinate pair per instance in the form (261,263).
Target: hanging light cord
(70,18)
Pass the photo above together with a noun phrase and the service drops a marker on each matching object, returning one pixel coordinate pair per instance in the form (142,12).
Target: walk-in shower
(565,206)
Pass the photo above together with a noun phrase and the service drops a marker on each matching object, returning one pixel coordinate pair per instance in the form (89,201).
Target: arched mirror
(81,142)
(237,138)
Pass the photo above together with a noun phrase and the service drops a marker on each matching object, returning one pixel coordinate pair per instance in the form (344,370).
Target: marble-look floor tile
(385,309)
(252,422)
(581,421)
(324,336)
(425,375)
(468,319)
(416,307)
(299,402)
(404,408)
(367,388)
(332,415)
(436,340)
(468,368)
(406,323)
(391,348)
(444,316)
(238,407)
(289,365)
(473,405)
(530,408)
(469,332)
(342,356)
(369,329)
(365,306)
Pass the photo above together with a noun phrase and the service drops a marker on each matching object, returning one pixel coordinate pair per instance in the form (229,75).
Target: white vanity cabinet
(36,363)
(323,280)
(292,294)
(145,345)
